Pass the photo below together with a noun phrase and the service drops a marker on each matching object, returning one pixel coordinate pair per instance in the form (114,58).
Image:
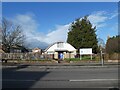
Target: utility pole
(101,56)
(101,46)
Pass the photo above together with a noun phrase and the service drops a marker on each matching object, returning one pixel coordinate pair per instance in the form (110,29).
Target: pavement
(59,65)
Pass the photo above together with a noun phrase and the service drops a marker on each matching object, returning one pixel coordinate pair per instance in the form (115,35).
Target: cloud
(33,43)
(98,18)
(114,28)
(105,22)
(27,22)
(35,38)
(113,15)
(59,34)
(30,29)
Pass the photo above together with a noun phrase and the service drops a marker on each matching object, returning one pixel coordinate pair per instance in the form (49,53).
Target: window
(60,44)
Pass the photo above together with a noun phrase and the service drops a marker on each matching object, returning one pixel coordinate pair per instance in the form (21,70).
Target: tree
(82,34)
(112,45)
(101,44)
(11,35)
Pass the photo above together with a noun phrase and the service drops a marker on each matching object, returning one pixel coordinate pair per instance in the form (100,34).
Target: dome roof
(60,46)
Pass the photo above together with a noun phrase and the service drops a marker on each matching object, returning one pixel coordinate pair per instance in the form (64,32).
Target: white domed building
(66,49)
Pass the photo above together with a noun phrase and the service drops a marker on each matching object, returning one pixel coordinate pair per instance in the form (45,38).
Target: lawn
(84,58)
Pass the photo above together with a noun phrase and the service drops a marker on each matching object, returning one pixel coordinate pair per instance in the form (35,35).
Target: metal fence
(25,56)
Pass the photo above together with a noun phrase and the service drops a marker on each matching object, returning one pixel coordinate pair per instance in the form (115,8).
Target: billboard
(85,51)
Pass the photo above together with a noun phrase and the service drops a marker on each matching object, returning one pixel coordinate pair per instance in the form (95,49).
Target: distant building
(36,50)
(59,48)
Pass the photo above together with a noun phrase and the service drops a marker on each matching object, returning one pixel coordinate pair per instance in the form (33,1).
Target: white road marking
(72,80)
(86,80)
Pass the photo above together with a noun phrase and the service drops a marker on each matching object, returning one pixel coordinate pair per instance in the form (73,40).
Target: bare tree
(101,43)
(11,35)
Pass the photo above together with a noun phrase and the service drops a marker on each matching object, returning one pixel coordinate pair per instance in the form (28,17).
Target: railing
(25,56)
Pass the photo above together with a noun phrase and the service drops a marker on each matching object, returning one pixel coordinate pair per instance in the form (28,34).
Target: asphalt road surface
(51,77)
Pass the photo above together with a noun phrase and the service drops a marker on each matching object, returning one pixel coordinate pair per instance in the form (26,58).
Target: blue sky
(48,22)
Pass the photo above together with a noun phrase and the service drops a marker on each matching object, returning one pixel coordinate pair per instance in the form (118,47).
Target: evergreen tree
(82,35)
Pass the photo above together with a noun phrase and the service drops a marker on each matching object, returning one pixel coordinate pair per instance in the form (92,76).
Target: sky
(44,23)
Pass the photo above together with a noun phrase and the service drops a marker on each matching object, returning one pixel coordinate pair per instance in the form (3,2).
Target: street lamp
(101,45)
(101,56)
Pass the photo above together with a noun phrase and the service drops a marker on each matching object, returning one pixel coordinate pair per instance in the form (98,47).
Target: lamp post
(101,46)
(101,56)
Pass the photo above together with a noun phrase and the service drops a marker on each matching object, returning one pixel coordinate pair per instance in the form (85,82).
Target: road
(52,77)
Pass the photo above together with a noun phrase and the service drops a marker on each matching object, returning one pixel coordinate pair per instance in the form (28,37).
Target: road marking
(86,80)
(72,80)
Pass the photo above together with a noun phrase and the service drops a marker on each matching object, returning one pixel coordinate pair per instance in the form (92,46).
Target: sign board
(85,51)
